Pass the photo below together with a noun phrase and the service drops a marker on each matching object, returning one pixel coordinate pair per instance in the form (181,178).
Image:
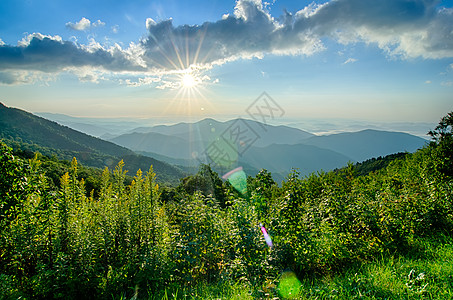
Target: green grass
(427,274)
(201,291)
(423,274)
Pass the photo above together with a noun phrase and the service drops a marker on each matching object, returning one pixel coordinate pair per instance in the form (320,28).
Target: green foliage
(207,182)
(13,176)
(443,144)
(129,237)
(376,164)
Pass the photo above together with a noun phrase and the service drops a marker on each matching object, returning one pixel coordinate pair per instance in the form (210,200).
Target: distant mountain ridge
(171,146)
(183,139)
(366,144)
(281,158)
(277,148)
(48,136)
(210,129)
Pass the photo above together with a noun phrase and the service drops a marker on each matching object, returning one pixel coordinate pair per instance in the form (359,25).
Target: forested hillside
(245,235)
(27,132)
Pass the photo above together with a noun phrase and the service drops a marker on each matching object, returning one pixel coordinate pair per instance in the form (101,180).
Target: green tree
(443,140)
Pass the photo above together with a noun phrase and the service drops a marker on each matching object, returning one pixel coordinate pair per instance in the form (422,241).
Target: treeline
(138,238)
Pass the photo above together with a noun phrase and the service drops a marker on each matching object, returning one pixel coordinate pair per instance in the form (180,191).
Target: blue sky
(376,60)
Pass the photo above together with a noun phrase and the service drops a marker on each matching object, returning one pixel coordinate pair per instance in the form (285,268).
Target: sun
(189,80)
(191,85)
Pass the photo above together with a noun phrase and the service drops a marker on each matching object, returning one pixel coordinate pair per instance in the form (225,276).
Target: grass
(423,274)
(200,291)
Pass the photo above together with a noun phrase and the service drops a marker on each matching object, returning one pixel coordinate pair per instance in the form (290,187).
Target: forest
(382,230)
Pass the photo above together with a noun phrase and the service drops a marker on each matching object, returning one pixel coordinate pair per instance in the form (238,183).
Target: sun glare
(188,80)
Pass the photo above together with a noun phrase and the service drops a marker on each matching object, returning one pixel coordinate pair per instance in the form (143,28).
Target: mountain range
(275,148)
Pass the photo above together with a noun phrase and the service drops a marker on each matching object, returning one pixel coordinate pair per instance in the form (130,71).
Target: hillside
(38,134)
(366,144)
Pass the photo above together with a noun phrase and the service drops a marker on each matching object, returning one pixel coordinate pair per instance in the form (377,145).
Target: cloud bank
(401,28)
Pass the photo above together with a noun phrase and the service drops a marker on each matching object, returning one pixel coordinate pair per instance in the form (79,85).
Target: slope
(38,134)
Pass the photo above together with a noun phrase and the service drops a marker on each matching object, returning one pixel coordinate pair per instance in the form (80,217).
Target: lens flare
(289,286)
(238,180)
(223,153)
(267,237)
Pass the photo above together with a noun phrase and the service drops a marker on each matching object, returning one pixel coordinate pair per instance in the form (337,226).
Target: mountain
(208,130)
(279,158)
(182,140)
(365,144)
(50,138)
(275,148)
(171,146)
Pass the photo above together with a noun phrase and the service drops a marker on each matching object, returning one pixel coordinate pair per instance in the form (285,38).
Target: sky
(369,60)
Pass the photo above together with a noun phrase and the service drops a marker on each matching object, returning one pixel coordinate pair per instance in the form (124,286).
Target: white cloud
(350,61)
(98,23)
(150,22)
(166,84)
(84,24)
(402,28)
(87,74)
(2,42)
(115,28)
(147,80)
(25,77)
(447,83)
(428,82)
(26,41)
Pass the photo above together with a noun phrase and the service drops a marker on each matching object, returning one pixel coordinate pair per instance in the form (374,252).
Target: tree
(205,181)
(443,130)
(443,143)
